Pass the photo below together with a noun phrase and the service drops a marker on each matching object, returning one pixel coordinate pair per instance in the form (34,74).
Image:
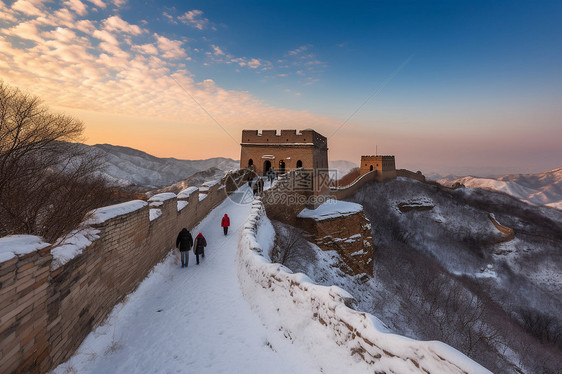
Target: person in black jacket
(184,242)
(200,244)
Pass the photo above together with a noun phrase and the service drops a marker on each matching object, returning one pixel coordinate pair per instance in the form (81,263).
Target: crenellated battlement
(377,158)
(302,137)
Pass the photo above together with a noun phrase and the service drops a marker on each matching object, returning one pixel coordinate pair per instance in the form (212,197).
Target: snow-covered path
(192,320)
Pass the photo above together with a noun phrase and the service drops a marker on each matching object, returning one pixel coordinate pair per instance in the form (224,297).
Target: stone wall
(283,202)
(349,235)
(410,174)
(507,231)
(47,308)
(24,340)
(342,193)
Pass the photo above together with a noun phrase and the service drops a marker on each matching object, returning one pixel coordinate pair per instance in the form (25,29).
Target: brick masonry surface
(45,313)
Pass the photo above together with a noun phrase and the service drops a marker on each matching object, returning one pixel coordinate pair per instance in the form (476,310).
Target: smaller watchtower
(384,166)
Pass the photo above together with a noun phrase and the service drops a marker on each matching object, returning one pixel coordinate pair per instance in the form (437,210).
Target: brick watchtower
(384,166)
(283,150)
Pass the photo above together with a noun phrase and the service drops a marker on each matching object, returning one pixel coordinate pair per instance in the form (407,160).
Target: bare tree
(288,242)
(47,183)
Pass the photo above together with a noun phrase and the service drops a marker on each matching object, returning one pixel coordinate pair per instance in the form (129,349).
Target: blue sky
(460,87)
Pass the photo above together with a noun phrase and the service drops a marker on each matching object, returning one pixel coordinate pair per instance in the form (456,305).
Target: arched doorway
(250,163)
(266,166)
(281,167)
(371,168)
(299,164)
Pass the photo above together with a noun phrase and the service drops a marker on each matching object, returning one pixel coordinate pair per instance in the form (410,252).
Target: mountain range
(537,189)
(126,166)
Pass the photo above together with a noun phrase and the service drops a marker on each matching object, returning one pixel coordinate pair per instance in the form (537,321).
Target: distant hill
(127,166)
(339,168)
(539,189)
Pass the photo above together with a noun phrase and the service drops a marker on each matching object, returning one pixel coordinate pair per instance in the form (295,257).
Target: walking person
(184,242)
(225,223)
(200,244)
(260,188)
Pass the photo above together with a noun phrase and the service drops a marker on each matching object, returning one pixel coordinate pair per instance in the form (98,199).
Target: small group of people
(185,241)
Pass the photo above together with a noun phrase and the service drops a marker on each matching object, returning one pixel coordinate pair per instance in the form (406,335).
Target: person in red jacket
(199,245)
(225,223)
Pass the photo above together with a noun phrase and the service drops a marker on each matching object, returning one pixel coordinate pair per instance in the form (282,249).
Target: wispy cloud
(304,62)
(98,3)
(217,50)
(298,51)
(171,49)
(170,18)
(115,23)
(195,19)
(29,7)
(77,6)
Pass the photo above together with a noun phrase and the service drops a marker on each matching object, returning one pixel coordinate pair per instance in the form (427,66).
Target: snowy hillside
(339,168)
(128,166)
(438,253)
(539,189)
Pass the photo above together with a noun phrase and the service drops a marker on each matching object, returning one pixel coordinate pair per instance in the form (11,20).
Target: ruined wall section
(349,235)
(410,174)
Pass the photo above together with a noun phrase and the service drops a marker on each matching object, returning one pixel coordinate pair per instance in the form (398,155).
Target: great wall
(53,297)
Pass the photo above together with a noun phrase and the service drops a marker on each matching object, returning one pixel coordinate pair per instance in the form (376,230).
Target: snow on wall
(17,245)
(158,199)
(73,246)
(154,213)
(185,194)
(101,215)
(318,317)
(182,204)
